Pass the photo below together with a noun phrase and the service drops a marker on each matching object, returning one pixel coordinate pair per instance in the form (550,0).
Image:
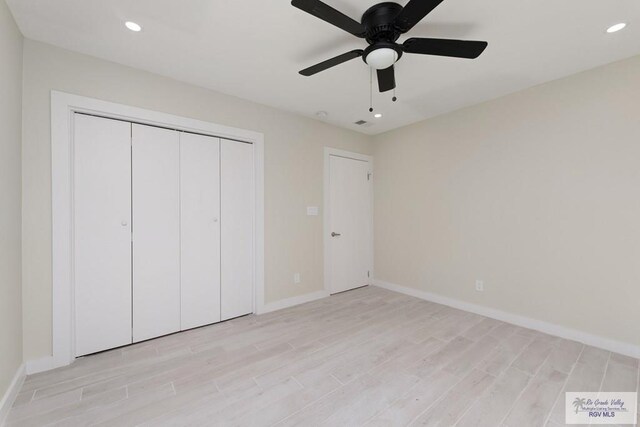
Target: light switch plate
(312,210)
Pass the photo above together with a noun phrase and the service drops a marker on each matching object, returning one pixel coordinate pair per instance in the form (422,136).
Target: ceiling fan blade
(414,12)
(386,79)
(330,15)
(332,62)
(445,47)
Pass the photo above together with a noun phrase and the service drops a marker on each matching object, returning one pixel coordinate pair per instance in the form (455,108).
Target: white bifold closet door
(200,230)
(102,233)
(237,207)
(156,231)
(163,231)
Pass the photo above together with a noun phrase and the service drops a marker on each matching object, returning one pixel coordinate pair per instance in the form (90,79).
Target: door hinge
(368,274)
(368,176)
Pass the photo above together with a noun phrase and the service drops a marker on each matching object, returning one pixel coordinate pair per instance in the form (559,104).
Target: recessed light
(133,26)
(616,28)
(377,115)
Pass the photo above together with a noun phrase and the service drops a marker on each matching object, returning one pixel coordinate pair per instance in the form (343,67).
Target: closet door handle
(333,234)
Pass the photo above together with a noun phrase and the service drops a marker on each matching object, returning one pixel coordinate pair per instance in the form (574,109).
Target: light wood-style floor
(366,357)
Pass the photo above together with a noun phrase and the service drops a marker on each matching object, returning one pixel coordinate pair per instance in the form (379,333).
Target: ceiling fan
(381,26)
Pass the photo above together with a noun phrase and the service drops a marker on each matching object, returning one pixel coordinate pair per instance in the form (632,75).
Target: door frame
(63,108)
(328,152)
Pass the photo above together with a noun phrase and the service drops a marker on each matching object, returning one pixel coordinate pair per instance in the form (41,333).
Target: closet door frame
(63,108)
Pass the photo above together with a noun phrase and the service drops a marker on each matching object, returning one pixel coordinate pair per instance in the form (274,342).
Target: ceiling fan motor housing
(381,32)
(379,20)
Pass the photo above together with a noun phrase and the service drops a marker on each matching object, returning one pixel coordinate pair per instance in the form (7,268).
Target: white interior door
(200,229)
(156,232)
(102,233)
(237,206)
(350,223)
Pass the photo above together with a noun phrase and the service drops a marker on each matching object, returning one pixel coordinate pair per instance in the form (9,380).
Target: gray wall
(10,199)
(536,193)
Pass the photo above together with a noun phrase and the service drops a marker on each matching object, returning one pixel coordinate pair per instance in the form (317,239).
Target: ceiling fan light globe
(382,58)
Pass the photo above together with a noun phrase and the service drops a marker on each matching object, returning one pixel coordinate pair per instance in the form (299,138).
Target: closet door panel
(156,232)
(102,233)
(200,229)
(237,205)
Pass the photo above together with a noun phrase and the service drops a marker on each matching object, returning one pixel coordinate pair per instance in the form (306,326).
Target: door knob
(333,234)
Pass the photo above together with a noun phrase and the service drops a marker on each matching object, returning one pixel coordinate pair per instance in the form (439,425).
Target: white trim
(12,392)
(516,319)
(328,152)
(63,106)
(290,302)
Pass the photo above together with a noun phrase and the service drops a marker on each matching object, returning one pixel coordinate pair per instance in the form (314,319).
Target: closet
(163,231)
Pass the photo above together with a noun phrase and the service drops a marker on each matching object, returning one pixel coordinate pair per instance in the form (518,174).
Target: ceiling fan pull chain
(394,99)
(370,90)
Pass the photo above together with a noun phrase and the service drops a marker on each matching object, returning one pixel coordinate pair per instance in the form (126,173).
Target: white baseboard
(526,322)
(11,393)
(290,302)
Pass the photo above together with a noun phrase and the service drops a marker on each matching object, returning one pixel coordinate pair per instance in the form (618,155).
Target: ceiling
(254,49)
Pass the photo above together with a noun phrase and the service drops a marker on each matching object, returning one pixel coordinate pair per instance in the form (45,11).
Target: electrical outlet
(479,286)
(296,278)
